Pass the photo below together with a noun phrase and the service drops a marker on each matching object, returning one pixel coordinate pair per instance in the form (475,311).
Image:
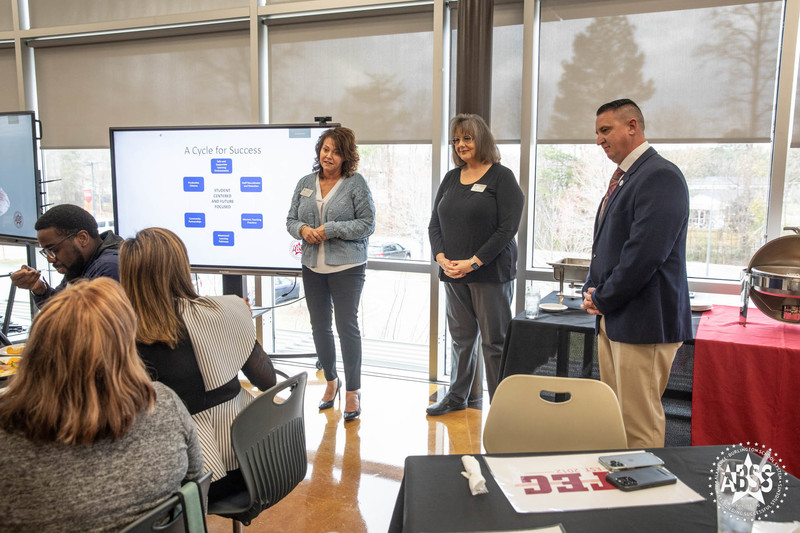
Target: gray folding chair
(269,441)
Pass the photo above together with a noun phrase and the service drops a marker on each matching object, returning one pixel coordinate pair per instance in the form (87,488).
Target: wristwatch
(474,265)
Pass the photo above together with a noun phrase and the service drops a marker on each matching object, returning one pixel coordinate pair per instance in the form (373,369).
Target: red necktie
(611,186)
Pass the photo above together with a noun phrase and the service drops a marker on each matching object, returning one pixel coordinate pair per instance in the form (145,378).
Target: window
(371,74)
(146,82)
(393,317)
(707,108)
(68,12)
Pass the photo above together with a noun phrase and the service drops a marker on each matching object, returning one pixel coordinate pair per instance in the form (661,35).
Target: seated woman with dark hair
(88,442)
(195,345)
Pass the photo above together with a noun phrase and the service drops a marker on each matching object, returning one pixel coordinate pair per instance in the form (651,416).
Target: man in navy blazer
(637,282)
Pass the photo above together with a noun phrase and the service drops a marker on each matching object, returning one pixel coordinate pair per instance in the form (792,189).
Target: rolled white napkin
(477,485)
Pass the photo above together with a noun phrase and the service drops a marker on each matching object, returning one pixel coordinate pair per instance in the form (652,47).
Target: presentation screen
(20,200)
(224,190)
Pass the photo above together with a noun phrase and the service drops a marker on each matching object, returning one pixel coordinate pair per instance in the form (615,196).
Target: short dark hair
(486,150)
(624,104)
(345,141)
(66,219)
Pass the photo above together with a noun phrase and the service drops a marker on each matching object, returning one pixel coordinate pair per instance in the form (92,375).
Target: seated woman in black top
(195,345)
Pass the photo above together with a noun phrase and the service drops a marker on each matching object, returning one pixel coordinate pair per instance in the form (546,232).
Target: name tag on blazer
(306,192)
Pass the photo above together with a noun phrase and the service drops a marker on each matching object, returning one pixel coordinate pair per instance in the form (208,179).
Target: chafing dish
(571,270)
(772,280)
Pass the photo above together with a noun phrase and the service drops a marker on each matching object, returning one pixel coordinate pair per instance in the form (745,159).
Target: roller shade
(6,16)
(372,74)
(46,13)
(701,74)
(8,81)
(189,80)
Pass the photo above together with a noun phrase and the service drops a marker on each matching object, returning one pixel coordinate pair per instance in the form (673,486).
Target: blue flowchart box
(223,238)
(193,184)
(250,184)
(252,220)
(194,220)
(221,166)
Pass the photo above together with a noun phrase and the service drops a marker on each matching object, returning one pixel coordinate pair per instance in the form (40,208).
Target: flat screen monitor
(224,190)
(20,187)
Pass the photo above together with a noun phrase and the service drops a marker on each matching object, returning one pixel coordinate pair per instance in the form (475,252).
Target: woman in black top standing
(475,216)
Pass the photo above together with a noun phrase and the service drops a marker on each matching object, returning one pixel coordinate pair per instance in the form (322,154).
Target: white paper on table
(558,528)
(760,526)
(573,482)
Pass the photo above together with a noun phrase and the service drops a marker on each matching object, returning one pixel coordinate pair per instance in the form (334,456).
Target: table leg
(562,356)
(588,355)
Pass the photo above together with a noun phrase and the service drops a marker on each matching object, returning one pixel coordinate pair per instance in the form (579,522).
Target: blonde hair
(155,273)
(80,378)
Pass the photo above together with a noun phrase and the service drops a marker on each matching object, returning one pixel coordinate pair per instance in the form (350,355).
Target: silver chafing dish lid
(773,279)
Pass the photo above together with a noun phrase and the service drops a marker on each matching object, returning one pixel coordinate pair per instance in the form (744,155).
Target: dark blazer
(638,263)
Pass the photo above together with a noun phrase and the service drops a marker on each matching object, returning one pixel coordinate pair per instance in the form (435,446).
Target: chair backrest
(177,514)
(520,420)
(269,440)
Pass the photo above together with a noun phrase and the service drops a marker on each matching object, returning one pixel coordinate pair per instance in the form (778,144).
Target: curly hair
(66,219)
(345,141)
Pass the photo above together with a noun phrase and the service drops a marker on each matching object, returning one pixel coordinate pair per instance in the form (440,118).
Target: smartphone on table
(625,461)
(641,478)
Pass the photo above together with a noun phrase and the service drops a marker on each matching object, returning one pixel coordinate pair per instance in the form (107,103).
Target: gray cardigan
(349,220)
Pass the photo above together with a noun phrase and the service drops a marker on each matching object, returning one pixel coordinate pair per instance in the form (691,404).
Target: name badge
(306,192)
(478,187)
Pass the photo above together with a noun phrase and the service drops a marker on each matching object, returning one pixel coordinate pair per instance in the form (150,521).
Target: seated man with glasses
(70,241)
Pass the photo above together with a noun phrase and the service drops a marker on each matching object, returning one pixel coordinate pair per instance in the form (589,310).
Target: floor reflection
(335,479)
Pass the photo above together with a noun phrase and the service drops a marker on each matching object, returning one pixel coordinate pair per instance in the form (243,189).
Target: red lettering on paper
(542,483)
(566,482)
(571,482)
(603,485)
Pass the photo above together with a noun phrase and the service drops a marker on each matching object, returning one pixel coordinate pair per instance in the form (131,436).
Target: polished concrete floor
(355,469)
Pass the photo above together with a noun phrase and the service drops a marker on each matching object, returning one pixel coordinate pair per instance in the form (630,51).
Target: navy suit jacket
(638,266)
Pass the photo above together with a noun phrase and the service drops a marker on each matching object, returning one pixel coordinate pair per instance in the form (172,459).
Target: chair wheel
(319,365)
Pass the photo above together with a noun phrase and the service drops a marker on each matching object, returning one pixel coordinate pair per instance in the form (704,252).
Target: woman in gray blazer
(333,215)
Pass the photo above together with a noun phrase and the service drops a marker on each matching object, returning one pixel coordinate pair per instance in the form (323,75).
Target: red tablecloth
(746,383)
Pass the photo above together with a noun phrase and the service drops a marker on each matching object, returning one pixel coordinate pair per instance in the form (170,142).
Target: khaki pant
(638,374)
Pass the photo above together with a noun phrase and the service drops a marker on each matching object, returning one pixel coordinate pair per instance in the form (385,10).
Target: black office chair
(183,512)
(269,441)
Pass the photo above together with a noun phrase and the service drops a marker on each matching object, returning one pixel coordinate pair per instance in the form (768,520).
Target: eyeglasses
(50,251)
(467,139)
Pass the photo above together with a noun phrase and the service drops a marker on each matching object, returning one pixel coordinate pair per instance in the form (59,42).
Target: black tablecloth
(530,343)
(435,497)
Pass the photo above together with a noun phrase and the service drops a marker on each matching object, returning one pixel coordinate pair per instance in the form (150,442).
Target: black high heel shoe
(352,415)
(327,405)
